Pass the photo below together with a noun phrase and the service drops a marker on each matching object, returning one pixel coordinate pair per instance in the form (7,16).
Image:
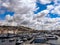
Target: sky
(36,14)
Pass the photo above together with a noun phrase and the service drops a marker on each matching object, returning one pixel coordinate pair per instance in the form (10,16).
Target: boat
(39,39)
(57,33)
(51,37)
(19,41)
(11,39)
(3,36)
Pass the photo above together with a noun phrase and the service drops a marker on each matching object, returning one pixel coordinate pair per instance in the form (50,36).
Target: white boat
(51,37)
(19,41)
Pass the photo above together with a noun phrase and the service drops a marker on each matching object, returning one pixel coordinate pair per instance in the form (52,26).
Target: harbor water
(50,42)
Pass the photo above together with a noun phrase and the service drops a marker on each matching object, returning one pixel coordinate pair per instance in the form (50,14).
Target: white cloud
(5,4)
(56,10)
(42,14)
(9,18)
(23,6)
(50,7)
(45,1)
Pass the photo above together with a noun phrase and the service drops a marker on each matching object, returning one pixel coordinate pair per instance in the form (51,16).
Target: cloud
(50,7)
(8,17)
(45,1)
(41,14)
(22,7)
(4,3)
(24,15)
(56,10)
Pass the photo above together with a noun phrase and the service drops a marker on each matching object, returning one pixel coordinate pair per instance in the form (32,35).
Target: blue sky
(41,8)
(24,15)
(6,12)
